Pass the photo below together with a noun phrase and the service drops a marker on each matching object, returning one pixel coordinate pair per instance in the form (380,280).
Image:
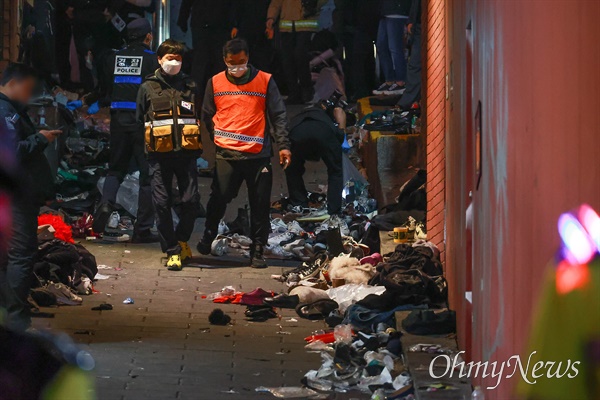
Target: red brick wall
(434,42)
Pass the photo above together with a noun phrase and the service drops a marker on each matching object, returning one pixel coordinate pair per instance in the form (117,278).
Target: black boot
(101,217)
(257,260)
(241,224)
(204,245)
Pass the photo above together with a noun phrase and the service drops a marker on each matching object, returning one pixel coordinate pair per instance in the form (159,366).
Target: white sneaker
(295,243)
(295,228)
(276,239)
(113,220)
(382,88)
(243,241)
(334,222)
(219,246)
(394,89)
(278,226)
(315,216)
(277,251)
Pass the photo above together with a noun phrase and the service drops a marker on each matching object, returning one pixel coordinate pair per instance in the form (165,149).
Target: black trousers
(127,145)
(413,76)
(313,141)
(162,173)
(295,60)
(228,178)
(16,267)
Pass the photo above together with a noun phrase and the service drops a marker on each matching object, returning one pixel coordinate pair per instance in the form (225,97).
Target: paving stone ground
(162,346)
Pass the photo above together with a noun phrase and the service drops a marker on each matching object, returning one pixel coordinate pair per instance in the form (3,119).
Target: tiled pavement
(162,346)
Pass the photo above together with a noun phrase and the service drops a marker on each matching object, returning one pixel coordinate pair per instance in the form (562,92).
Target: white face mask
(171,67)
(237,70)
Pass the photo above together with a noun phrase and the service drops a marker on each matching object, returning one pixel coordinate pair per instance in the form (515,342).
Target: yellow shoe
(186,252)
(174,262)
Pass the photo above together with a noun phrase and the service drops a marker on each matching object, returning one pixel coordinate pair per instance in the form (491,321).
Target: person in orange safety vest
(244,114)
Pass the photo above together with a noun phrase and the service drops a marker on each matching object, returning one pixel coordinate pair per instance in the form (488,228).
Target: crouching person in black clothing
(317,135)
(16,267)
(167,105)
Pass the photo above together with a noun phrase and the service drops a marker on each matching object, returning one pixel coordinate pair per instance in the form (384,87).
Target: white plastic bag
(347,295)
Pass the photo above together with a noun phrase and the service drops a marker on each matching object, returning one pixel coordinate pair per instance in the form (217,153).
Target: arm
(277,116)
(209,109)
(142,105)
(274,9)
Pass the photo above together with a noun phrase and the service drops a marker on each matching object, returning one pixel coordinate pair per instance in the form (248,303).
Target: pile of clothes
(63,270)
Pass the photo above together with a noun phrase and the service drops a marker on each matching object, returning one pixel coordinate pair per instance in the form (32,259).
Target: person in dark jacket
(315,136)
(167,104)
(390,45)
(16,86)
(211,23)
(243,112)
(124,72)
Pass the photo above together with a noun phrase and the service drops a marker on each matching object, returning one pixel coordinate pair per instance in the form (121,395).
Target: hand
(107,15)
(269,24)
(285,158)
(74,105)
(409,28)
(93,108)
(340,117)
(51,135)
(234,33)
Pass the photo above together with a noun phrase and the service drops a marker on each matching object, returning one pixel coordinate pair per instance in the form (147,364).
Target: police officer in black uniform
(37,186)
(124,73)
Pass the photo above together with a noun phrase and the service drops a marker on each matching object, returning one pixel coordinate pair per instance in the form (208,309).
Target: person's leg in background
(258,175)
(290,67)
(17,269)
(383,51)
(332,157)
(145,214)
(302,60)
(225,186)
(202,57)
(413,77)
(161,182)
(395,38)
(121,145)
(294,176)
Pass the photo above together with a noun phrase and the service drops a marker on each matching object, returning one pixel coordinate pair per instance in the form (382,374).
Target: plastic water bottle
(478,394)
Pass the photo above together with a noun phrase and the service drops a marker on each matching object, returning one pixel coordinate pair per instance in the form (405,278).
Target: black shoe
(241,224)
(260,313)
(145,237)
(283,301)
(101,217)
(203,246)
(257,260)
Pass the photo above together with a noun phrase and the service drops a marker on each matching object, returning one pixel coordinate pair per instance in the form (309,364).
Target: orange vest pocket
(163,138)
(190,137)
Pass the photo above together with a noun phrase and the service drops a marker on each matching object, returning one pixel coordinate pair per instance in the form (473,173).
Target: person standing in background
(37,184)
(168,105)
(250,25)
(244,113)
(298,20)
(211,23)
(125,71)
(412,93)
(390,45)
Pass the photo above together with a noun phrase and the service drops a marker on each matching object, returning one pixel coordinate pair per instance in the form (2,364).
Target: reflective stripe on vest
(240,120)
(311,25)
(123,105)
(134,80)
(171,121)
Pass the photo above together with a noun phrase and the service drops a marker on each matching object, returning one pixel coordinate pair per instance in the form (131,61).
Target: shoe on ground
(115,236)
(219,246)
(276,239)
(307,270)
(145,237)
(260,313)
(292,245)
(186,252)
(283,301)
(257,259)
(174,262)
(278,226)
(204,245)
(101,217)
(394,89)
(315,216)
(243,241)
(382,88)
(276,251)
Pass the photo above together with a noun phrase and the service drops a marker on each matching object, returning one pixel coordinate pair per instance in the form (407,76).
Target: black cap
(138,28)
